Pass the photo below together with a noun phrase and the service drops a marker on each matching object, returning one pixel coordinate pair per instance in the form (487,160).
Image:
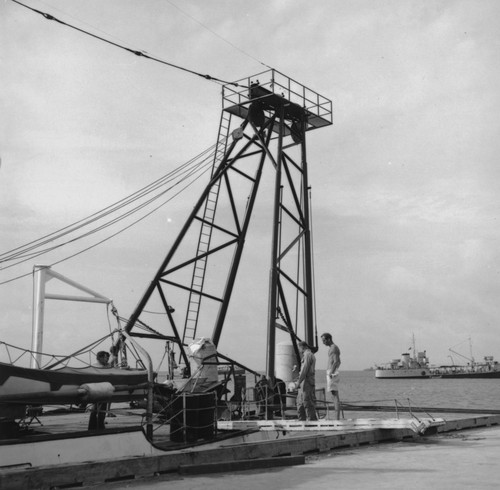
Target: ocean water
(361,387)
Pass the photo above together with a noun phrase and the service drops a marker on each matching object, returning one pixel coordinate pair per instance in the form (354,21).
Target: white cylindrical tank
(405,360)
(285,360)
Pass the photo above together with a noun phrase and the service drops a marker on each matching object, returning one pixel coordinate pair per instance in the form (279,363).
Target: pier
(262,449)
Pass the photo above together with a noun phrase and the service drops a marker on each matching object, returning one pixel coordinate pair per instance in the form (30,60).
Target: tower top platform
(273,89)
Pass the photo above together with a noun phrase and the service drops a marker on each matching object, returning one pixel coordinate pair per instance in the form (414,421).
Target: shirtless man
(332,371)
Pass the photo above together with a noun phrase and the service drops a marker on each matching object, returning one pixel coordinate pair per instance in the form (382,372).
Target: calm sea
(361,387)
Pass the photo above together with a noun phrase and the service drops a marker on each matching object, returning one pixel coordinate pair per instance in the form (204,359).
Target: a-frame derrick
(276,116)
(246,145)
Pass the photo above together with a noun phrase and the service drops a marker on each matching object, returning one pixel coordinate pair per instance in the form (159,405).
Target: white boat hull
(97,447)
(403,373)
(21,386)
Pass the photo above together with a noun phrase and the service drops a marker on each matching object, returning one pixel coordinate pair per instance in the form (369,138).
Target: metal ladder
(200,265)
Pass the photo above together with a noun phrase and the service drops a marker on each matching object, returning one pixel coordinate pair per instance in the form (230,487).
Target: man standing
(98,409)
(306,384)
(332,371)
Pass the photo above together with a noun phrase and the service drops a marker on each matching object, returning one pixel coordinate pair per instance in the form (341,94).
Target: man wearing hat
(306,384)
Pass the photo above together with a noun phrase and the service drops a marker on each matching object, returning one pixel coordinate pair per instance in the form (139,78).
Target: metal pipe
(273,273)
(309,328)
(39,280)
(149,405)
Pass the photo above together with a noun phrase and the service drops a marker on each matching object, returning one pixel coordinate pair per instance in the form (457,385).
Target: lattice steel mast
(266,120)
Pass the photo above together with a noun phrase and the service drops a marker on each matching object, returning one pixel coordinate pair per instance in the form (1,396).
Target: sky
(404,183)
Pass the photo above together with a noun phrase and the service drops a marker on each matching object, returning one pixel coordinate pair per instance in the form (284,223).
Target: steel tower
(264,120)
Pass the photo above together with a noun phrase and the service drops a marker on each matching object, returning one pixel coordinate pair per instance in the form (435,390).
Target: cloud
(405,183)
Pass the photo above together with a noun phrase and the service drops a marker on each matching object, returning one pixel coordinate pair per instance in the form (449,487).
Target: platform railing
(238,93)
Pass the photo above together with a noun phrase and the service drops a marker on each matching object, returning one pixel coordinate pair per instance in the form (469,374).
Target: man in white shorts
(332,371)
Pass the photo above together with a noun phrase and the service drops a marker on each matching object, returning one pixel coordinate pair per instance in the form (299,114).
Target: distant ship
(406,367)
(489,368)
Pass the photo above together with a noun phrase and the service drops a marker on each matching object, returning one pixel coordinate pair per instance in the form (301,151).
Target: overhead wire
(33,249)
(81,21)
(205,169)
(136,52)
(101,241)
(23,250)
(91,232)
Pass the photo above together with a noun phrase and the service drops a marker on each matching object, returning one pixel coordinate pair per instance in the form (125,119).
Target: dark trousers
(306,403)
(97,416)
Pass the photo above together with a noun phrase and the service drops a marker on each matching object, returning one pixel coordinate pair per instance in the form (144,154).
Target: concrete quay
(447,461)
(402,453)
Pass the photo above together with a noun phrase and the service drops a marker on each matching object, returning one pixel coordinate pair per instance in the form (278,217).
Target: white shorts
(332,381)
